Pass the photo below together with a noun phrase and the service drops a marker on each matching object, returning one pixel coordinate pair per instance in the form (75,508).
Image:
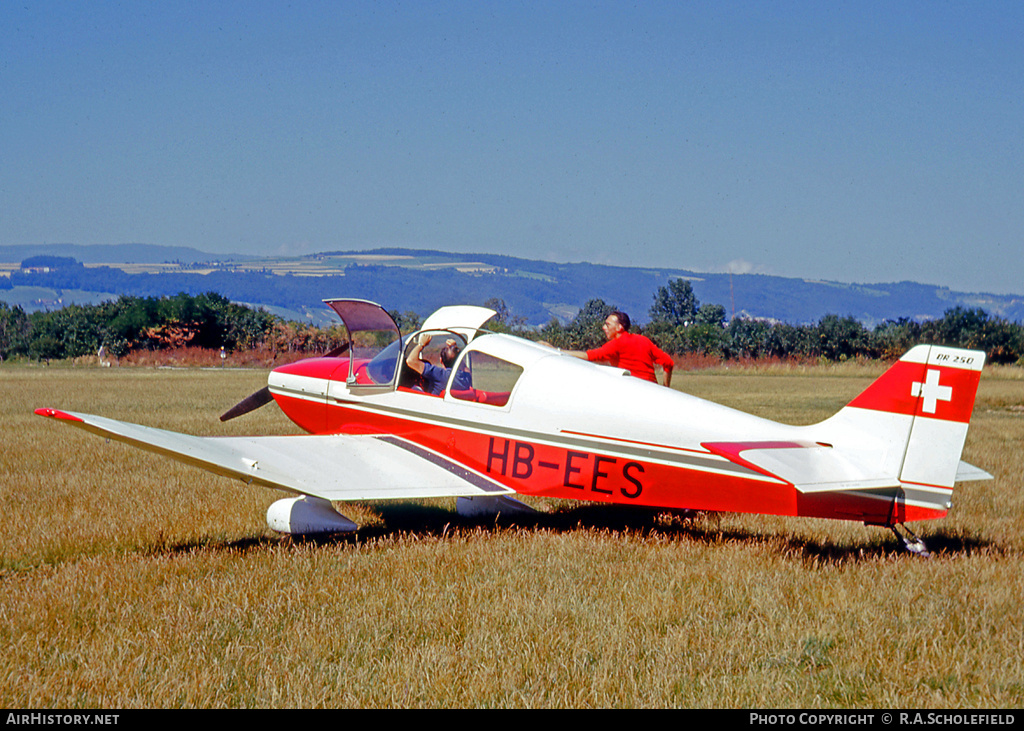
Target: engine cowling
(300,389)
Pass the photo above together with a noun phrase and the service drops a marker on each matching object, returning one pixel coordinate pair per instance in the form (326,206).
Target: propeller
(264,397)
(343,348)
(249,403)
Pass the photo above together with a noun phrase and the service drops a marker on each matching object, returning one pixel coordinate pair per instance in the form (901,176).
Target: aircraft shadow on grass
(411,520)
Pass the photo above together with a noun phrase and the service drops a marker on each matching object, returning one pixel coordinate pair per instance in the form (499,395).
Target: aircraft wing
(333,467)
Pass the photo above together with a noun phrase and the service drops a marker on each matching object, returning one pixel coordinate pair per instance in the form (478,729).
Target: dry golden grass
(132,581)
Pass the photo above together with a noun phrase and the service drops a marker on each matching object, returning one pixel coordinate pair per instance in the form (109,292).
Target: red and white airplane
(519,417)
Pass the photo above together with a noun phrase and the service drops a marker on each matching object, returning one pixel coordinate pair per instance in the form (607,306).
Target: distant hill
(112,254)
(754,295)
(422,280)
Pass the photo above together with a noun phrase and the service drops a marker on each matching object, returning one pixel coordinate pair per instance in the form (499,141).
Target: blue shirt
(437,378)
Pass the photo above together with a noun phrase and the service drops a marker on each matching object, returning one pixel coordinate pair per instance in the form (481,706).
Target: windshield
(381,369)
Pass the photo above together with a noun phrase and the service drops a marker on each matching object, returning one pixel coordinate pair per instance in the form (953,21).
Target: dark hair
(622,317)
(448,355)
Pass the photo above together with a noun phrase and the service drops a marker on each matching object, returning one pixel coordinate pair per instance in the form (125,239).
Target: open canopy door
(362,315)
(463,319)
(374,340)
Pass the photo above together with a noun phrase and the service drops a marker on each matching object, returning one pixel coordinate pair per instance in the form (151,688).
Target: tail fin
(925,400)
(888,457)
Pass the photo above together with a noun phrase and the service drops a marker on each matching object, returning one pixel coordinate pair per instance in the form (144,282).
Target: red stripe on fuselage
(877,509)
(620,440)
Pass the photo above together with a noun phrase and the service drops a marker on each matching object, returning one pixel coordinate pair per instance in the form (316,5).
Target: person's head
(449,353)
(615,324)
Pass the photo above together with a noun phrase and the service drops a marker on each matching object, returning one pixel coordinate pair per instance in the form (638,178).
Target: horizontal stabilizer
(333,467)
(808,466)
(969,473)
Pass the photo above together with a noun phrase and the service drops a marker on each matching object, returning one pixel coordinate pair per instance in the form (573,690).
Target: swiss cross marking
(931,391)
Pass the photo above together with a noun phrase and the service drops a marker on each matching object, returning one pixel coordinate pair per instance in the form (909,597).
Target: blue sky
(849,141)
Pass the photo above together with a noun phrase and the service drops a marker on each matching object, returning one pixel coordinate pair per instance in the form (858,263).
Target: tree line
(132,323)
(678,323)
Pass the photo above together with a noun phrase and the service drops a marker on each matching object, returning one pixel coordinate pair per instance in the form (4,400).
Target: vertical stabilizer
(931,391)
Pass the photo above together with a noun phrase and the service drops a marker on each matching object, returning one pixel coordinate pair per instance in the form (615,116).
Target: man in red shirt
(636,353)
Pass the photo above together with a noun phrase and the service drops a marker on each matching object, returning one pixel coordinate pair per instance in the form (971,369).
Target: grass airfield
(132,581)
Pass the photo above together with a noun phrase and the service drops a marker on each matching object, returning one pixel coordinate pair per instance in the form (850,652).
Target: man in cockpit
(436,377)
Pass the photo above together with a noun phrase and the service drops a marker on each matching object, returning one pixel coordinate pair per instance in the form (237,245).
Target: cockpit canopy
(376,347)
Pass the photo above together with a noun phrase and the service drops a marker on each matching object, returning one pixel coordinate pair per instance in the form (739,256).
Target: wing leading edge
(334,467)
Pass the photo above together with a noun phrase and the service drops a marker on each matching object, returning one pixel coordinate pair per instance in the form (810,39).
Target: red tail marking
(916,389)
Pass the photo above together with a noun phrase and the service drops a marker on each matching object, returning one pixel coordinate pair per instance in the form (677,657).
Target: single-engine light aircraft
(520,417)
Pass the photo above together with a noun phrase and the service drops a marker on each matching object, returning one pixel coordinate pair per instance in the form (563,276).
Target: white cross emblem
(931,391)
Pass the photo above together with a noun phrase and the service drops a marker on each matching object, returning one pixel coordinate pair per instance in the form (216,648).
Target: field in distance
(132,581)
